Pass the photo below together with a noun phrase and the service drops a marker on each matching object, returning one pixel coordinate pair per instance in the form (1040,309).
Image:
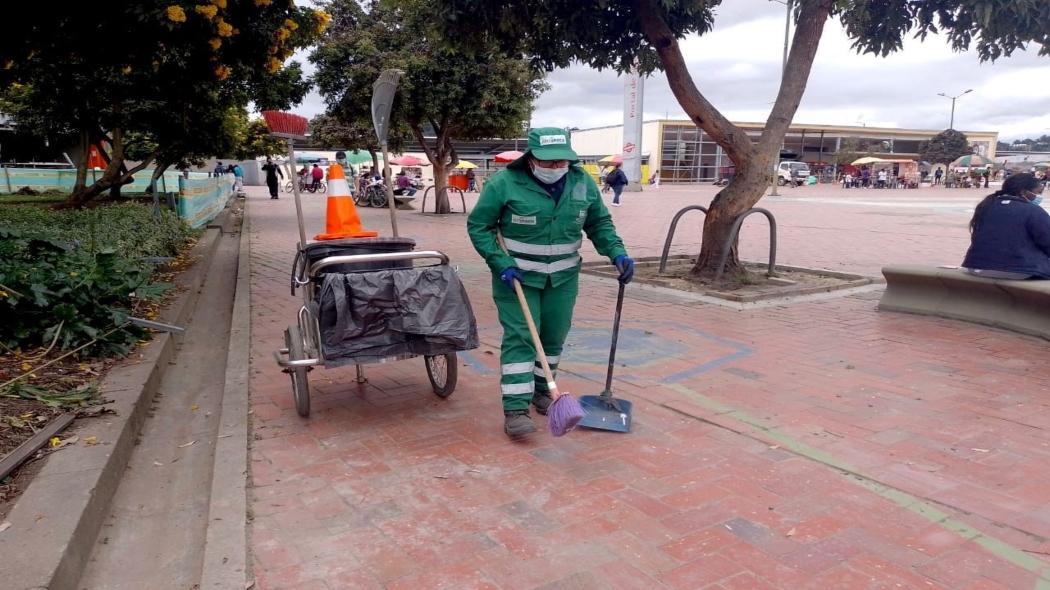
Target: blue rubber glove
(624,264)
(509,275)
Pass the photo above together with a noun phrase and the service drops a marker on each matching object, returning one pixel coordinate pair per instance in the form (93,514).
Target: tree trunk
(85,148)
(747,187)
(158,171)
(375,160)
(441,188)
(754,161)
(439,159)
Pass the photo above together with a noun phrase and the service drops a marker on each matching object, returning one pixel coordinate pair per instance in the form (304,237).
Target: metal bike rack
(736,230)
(733,232)
(670,232)
(462,199)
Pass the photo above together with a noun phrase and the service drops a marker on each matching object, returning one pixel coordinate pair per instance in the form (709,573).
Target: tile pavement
(819,445)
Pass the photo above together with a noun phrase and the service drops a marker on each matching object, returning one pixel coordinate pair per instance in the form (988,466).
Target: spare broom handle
(551,385)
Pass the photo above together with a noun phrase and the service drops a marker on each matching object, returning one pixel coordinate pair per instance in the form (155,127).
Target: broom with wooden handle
(565,411)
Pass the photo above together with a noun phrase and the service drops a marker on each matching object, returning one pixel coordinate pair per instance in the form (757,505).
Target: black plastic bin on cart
(354,246)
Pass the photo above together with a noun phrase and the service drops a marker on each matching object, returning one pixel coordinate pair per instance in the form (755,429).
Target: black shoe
(517,423)
(542,401)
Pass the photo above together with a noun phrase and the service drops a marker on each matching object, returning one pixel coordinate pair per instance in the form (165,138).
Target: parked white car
(788,172)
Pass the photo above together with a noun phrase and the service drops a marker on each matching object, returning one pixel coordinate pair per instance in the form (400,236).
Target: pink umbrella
(614,159)
(505,157)
(408,161)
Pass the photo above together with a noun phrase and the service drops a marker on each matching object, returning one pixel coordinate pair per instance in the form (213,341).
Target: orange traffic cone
(341,220)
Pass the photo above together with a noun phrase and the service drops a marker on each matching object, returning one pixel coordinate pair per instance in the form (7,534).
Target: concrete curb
(56,521)
(226,545)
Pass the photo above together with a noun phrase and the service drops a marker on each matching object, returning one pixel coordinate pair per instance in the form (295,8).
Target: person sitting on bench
(1010,233)
(404,185)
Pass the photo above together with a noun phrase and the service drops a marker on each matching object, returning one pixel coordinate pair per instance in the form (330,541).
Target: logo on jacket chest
(523,219)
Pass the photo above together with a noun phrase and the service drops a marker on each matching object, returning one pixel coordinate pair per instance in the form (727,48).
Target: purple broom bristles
(564,414)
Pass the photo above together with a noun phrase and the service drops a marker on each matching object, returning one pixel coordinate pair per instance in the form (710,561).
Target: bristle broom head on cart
(564,414)
(286,124)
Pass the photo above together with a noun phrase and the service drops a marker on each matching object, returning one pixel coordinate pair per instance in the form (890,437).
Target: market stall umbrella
(867,160)
(613,159)
(971,161)
(409,161)
(358,157)
(506,157)
(465,165)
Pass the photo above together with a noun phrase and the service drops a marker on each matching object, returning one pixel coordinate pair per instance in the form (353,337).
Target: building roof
(850,129)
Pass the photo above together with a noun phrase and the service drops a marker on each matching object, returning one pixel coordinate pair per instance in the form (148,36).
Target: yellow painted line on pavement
(899,497)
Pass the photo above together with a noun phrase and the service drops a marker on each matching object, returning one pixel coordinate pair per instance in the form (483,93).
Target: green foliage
(72,276)
(442,91)
(607,33)
(160,76)
(945,147)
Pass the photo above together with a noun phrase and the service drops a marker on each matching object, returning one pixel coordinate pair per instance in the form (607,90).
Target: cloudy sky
(737,66)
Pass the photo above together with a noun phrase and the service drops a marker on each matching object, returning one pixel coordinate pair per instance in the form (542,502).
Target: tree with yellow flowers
(150,79)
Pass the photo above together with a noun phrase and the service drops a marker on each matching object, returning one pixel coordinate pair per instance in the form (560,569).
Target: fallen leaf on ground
(158,464)
(4,526)
(184,445)
(194,408)
(91,440)
(792,532)
(981,450)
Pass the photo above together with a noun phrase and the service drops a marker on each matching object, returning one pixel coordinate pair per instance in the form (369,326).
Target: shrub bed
(70,276)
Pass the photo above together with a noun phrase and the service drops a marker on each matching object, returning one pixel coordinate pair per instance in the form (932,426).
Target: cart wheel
(442,370)
(300,383)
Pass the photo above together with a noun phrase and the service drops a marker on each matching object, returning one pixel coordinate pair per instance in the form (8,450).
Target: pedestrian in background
(617,180)
(272,172)
(238,179)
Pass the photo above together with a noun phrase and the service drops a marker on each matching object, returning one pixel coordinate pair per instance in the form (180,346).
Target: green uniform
(543,239)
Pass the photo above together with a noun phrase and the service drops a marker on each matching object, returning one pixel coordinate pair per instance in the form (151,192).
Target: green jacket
(543,238)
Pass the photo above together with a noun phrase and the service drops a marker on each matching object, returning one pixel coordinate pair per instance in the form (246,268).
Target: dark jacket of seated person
(1010,232)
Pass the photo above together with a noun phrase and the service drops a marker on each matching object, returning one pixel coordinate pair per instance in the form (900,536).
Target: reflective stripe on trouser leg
(517,353)
(556,306)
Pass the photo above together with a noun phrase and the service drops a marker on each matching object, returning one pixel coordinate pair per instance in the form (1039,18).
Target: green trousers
(551,309)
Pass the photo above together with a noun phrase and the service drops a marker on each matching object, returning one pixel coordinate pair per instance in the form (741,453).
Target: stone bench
(1021,306)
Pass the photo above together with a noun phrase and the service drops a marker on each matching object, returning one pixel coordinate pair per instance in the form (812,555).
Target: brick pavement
(816,445)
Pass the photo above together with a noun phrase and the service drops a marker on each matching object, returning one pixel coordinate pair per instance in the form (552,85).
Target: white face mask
(549,175)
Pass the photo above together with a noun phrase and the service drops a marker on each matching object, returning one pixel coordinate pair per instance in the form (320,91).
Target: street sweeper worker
(542,203)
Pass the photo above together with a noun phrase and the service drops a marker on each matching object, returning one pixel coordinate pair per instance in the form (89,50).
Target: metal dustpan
(605,412)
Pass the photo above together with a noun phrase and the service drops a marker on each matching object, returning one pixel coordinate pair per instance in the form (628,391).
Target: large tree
(620,33)
(156,78)
(944,147)
(444,94)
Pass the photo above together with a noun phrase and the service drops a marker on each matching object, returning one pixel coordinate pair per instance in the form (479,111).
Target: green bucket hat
(550,143)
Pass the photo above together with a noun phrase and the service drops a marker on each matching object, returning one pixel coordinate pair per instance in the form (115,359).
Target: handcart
(381,259)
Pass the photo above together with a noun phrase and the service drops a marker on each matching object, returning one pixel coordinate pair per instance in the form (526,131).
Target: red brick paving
(388,486)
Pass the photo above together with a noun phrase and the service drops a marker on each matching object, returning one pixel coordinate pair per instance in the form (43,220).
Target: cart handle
(381,257)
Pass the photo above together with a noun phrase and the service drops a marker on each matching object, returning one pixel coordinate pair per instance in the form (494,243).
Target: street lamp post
(951,122)
(783,74)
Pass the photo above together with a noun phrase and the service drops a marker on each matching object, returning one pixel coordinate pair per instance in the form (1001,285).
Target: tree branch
(417,132)
(734,141)
(813,14)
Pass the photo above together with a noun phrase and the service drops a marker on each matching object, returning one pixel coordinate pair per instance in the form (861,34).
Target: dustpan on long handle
(605,412)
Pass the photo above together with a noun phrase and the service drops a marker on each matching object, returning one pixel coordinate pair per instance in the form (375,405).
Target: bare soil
(20,418)
(751,283)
